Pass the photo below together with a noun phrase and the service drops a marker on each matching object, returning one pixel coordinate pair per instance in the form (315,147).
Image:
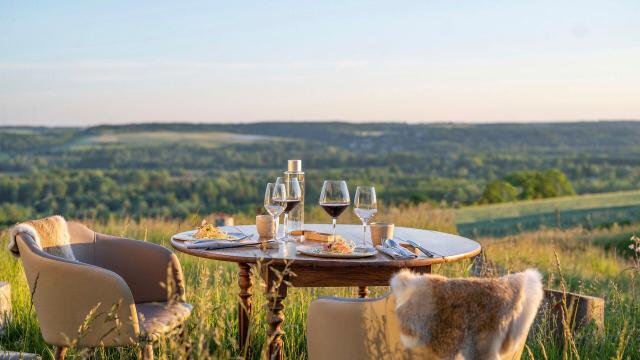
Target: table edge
(313,262)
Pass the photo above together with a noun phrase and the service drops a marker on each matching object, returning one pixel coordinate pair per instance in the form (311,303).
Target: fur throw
(50,234)
(470,318)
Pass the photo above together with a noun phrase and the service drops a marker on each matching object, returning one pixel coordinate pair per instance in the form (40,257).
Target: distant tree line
(100,194)
(65,170)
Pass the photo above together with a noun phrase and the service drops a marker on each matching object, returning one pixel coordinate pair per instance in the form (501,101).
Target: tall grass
(592,263)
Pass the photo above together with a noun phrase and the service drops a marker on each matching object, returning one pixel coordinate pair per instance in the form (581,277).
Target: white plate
(318,251)
(188,236)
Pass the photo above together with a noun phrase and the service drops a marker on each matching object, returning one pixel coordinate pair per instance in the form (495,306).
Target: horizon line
(333,121)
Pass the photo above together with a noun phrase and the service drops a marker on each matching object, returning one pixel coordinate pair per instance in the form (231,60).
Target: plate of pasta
(211,232)
(340,248)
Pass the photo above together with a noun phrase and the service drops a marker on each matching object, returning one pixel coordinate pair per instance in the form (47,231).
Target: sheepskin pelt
(470,318)
(50,234)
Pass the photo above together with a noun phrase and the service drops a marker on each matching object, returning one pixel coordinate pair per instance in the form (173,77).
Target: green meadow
(470,214)
(596,262)
(589,210)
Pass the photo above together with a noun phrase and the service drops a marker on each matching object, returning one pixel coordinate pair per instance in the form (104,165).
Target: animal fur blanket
(50,234)
(470,318)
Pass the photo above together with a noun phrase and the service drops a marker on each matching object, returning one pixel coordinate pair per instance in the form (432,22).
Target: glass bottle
(296,217)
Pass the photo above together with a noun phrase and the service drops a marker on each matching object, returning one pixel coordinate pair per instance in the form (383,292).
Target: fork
(420,247)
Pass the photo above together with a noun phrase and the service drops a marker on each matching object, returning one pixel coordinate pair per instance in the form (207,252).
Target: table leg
(244,306)
(363,291)
(276,293)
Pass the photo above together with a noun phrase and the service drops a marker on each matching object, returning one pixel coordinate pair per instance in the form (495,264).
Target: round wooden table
(276,265)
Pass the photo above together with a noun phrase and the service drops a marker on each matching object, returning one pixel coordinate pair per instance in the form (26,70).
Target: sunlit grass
(212,288)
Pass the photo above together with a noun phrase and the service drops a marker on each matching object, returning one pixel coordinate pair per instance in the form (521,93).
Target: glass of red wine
(334,199)
(292,197)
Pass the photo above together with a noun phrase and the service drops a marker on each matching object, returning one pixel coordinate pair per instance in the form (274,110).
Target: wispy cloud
(116,64)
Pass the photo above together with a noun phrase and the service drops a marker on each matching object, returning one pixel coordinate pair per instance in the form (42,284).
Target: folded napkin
(397,253)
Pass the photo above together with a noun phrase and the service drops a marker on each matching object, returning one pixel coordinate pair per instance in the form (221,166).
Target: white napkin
(397,253)
(223,244)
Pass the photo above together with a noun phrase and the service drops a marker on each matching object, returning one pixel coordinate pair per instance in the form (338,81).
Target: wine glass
(293,196)
(274,201)
(334,199)
(365,205)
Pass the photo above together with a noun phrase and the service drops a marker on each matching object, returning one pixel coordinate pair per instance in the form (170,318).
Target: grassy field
(167,138)
(477,213)
(591,262)
(586,210)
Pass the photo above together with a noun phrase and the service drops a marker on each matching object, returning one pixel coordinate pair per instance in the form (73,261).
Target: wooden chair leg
(147,352)
(184,339)
(61,352)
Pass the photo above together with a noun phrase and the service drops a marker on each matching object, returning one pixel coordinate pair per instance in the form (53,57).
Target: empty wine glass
(274,201)
(293,196)
(365,205)
(334,199)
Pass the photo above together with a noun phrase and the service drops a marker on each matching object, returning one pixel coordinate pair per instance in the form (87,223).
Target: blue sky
(81,63)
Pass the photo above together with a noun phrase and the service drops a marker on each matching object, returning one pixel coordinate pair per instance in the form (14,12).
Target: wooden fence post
(581,312)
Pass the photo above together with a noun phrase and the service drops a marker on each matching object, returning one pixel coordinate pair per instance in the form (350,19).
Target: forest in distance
(173,170)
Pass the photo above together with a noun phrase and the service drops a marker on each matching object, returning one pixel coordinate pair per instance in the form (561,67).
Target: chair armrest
(65,293)
(147,268)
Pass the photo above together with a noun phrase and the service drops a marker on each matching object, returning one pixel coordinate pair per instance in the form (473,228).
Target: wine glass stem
(275,227)
(364,233)
(286,220)
(334,229)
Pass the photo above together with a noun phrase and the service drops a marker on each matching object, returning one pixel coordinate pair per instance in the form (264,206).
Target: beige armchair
(436,317)
(119,292)
(359,329)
